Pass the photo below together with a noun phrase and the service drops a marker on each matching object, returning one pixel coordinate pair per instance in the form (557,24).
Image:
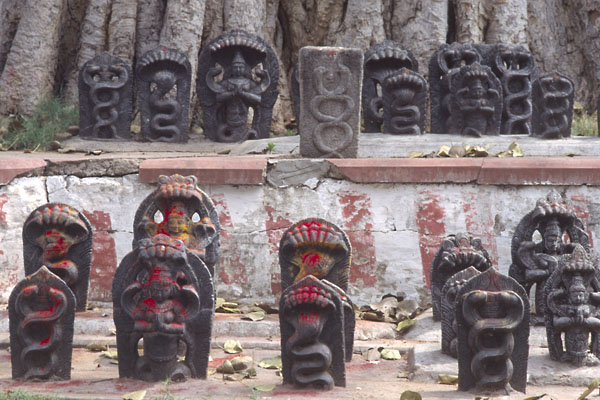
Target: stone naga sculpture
(105,98)
(456,253)
(404,101)
(60,237)
(516,69)
(475,102)
(178,208)
(163,293)
(448,309)
(572,295)
(237,71)
(553,106)
(41,311)
(316,316)
(382,60)
(163,91)
(533,263)
(442,65)
(492,314)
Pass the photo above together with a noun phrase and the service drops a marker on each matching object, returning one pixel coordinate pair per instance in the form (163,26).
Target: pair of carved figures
(480,89)
(237,71)
(484,316)
(392,70)
(316,316)
(163,290)
(57,250)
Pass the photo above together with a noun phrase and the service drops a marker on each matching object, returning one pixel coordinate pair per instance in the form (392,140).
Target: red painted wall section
(229,268)
(3,201)
(358,223)
(480,221)
(583,212)
(431,228)
(104,256)
(275,226)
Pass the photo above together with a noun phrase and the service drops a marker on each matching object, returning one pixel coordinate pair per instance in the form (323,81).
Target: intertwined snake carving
(492,338)
(104,94)
(328,120)
(557,103)
(36,321)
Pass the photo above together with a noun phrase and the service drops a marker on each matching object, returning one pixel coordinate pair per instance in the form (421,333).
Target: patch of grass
(51,116)
(21,395)
(584,124)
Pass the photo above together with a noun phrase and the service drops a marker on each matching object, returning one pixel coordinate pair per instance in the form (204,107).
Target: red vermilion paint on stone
(104,256)
(582,211)
(231,269)
(3,201)
(356,210)
(431,227)
(479,222)
(275,226)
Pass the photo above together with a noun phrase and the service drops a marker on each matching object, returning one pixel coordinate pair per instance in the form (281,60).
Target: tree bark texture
(35,36)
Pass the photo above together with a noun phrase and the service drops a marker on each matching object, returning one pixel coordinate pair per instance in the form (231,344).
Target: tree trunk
(491,21)
(121,29)
(420,27)
(361,25)
(149,23)
(28,74)
(10,14)
(93,38)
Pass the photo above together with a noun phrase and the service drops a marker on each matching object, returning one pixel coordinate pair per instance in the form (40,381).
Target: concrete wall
(395,228)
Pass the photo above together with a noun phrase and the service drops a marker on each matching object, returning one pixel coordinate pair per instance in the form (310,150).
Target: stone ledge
(409,170)
(13,167)
(208,170)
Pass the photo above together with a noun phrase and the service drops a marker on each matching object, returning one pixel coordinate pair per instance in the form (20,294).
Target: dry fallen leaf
(446,379)
(372,355)
(232,347)
(593,385)
(410,395)
(271,363)
(254,315)
(139,395)
(390,354)
(264,388)
(403,326)
(444,151)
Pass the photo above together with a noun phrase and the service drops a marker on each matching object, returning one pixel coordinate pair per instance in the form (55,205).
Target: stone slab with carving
(330,92)
(404,101)
(553,96)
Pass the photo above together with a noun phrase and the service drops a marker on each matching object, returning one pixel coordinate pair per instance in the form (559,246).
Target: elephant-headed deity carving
(552,220)
(237,71)
(164,294)
(163,79)
(572,295)
(41,311)
(60,237)
(492,315)
(381,61)
(447,60)
(457,252)
(105,98)
(178,208)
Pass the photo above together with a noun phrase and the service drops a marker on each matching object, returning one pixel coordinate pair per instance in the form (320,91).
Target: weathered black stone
(475,101)
(443,63)
(178,208)
(163,80)
(516,69)
(381,61)
(311,318)
(404,102)
(492,315)
(533,263)
(456,253)
(230,82)
(448,309)
(164,294)
(60,237)
(41,311)
(572,296)
(553,106)
(105,98)
(295,94)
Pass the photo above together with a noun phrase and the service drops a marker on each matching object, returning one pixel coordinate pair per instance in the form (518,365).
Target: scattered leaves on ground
(271,363)
(446,379)
(254,315)
(536,397)
(405,325)
(264,387)
(390,354)
(232,347)
(513,151)
(410,395)
(139,395)
(372,355)
(224,306)
(96,347)
(593,385)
